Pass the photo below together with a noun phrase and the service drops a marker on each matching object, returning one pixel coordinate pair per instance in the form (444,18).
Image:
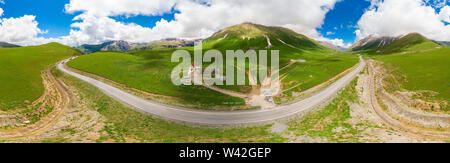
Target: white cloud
(194,18)
(120,7)
(444,15)
(1,10)
(330,33)
(398,17)
(22,30)
(335,42)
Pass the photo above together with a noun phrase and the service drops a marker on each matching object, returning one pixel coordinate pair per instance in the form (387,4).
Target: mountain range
(331,46)
(389,45)
(442,43)
(124,46)
(8,45)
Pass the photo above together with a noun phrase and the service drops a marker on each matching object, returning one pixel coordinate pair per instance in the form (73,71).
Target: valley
(149,70)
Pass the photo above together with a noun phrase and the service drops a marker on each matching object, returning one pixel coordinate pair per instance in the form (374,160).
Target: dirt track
(375,86)
(56,96)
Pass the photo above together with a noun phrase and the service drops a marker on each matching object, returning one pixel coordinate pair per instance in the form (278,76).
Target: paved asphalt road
(211,118)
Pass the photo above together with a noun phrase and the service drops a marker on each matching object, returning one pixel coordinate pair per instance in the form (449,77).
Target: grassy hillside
(372,42)
(20,73)
(149,70)
(410,42)
(428,70)
(321,63)
(253,36)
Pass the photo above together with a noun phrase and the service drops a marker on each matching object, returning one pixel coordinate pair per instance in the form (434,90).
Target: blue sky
(49,13)
(52,18)
(110,19)
(340,22)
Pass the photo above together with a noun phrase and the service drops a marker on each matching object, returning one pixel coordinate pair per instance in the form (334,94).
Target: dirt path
(375,84)
(54,90)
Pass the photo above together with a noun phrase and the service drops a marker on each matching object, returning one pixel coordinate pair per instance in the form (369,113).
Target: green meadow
(124,124)
(20,72)
(428,70)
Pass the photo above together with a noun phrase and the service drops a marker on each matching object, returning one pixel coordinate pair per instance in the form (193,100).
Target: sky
(340,22)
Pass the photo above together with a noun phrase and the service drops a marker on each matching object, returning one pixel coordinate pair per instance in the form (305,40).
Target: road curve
(220,118)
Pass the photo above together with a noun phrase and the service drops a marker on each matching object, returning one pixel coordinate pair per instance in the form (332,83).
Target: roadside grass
(320,63)
(316,70)
(126,125)
(20,72)
(330,124)
(422,71)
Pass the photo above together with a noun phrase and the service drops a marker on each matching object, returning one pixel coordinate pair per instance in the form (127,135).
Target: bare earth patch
(73,120)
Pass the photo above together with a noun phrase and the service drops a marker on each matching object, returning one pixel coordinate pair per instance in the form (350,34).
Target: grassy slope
(428,70)
(410,42)
(20,73)
(322,64)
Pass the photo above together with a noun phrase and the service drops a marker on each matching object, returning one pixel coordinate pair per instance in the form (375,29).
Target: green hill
(253,36)
(411,42)
(420,71)
(20,73)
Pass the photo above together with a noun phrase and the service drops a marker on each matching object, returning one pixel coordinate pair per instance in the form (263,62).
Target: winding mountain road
(220,118)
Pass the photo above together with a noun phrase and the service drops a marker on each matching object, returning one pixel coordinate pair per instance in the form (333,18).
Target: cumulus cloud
(444,15)
(193,19)
(23,30)
(335,42)
(120,7)
(398,17)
